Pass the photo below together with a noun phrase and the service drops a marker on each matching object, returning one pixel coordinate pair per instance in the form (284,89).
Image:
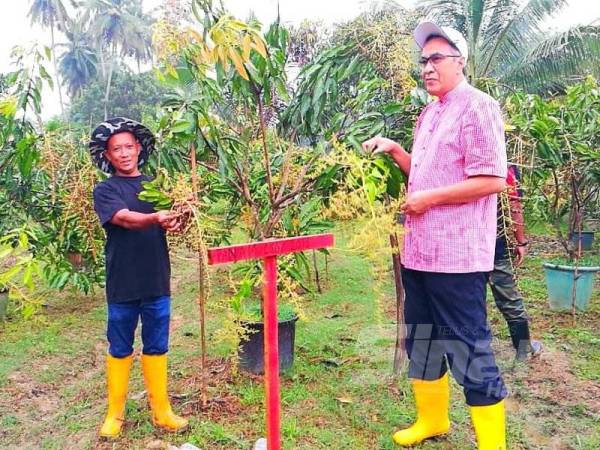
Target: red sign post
(268,251)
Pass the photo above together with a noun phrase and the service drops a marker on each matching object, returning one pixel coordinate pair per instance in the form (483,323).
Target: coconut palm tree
(139,36)
(53,14)
(78,64)
(121,29)
(508,41)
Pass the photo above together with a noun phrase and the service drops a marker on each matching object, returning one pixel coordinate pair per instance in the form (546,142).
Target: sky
(17,30)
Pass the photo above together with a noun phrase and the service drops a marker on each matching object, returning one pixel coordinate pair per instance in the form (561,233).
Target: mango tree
(228,80)
(45,177)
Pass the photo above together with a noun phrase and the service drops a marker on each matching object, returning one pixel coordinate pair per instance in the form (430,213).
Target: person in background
(137,271)
(502,279)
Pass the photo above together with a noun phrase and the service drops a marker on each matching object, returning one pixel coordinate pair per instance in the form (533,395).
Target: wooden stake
(397,265)
(317,280)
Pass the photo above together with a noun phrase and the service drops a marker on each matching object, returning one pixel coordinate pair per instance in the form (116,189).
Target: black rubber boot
(519,334)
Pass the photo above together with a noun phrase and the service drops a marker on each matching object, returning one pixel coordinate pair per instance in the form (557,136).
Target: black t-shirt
(137,261)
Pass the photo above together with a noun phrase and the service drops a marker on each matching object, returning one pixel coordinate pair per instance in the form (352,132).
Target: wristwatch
(522,244)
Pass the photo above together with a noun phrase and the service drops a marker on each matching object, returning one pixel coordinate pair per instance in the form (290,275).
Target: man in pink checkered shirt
(456,168)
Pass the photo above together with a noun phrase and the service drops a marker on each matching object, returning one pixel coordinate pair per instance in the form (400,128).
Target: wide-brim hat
(115,125)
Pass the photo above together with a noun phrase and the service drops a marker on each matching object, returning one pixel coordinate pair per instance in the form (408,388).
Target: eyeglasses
(435,59)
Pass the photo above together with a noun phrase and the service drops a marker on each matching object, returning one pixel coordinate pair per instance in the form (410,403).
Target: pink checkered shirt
(458,136)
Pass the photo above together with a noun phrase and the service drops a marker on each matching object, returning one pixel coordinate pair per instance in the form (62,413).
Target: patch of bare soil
(545,246)
(176,321)
(219,402)
(28,401)
(68,304)
(550,321)
(550,379)
(22,389)
(548,384)
(35,404)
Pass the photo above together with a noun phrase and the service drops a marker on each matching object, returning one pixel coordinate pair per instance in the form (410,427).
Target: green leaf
(8,275)
(319,89)
(393,108)
(28,311)
(352,139)
(282,89)
(27,277)
(8,106)
(5,250)
(46,76)
(23,241)
(61,281)
(182,127)
(351,68)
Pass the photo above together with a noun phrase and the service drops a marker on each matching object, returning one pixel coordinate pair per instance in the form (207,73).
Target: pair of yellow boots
(432,400)
(154,369)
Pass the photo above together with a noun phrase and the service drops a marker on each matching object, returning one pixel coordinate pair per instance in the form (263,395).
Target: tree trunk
(108,83)
(60,97)
(102,66)
(202,289)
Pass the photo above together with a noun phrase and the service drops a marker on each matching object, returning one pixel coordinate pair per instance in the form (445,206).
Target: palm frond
(48,13)
(453,13)
(559,60)
(515,28)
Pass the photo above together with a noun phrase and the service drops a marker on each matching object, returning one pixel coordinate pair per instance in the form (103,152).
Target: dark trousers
(123,318)
(504,289)
(446,319)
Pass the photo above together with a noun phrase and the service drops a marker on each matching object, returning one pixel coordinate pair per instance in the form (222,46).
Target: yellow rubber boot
(154,368)
(490,426)
(117,377)
(432,399)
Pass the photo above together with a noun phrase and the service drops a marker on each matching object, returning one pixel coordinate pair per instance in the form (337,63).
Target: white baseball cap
(425,30)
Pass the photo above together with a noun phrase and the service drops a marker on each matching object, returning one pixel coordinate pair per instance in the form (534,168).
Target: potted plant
(563,132)
(294,273)
(583,238)
(570,279)
(249,317)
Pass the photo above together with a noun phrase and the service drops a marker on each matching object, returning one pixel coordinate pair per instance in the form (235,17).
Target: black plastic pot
(251,352)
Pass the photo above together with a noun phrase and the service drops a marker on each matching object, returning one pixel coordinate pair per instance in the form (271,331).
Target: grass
(339,395)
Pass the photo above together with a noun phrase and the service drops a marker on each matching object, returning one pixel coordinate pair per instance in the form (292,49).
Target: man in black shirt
(137,271)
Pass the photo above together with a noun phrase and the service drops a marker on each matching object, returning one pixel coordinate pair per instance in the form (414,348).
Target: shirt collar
(454,92)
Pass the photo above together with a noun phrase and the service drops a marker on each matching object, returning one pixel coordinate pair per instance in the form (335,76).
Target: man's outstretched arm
(138,221)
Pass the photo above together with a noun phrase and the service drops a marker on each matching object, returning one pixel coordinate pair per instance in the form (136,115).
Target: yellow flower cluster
(374,214)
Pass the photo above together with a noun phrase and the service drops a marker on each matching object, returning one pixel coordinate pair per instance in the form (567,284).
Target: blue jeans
(155,313)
